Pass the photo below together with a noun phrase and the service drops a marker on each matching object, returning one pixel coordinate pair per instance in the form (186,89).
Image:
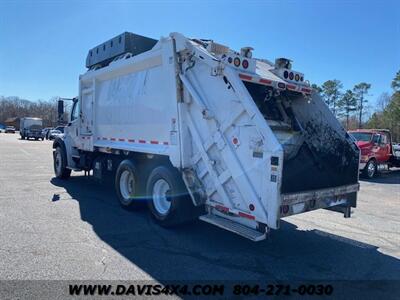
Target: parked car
(10,129)
(45,131)
(56,130)
(54,133)
(377,151)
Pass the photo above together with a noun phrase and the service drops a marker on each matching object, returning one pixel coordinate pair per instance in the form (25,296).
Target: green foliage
(389,115)
(396,82)
(331,91)
(346,105)
(361,90)
(317,88)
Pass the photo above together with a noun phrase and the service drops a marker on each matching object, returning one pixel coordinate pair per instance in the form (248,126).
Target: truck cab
(376,150)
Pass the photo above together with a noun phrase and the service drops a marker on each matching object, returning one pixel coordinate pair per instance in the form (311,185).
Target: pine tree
(361,90)
(331,93)
(346,105)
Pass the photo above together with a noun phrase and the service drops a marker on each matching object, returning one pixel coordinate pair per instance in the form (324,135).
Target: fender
(65,145)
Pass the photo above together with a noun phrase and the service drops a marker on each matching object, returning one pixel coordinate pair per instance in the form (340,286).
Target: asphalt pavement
(76,230)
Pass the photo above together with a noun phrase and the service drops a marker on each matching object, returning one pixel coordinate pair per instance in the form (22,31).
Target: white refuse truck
(31,128)
(198,130)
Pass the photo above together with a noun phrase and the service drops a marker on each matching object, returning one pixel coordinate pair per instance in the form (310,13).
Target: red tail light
(236,61)
(245,63)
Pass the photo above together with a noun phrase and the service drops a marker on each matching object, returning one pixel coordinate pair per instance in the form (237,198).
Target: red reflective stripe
(244,215)
(121,140)
(245,77)
(222,208)
(131,141)
(266,81)
(112,139)
(306,90)
(291,87)
(142,141)
(153,142)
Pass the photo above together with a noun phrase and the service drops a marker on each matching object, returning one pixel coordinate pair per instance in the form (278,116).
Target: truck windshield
(362,136)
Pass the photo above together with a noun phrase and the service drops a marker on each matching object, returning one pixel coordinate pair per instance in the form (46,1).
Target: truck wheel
(60,164)
(370,169)
(168,202)
(127,185)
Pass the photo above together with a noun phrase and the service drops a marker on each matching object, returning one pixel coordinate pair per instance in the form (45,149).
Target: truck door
(384,148)
(72,129)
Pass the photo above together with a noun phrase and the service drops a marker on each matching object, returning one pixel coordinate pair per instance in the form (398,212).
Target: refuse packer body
(195,129)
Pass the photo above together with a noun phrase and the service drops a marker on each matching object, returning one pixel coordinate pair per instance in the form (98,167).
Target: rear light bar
(276,84)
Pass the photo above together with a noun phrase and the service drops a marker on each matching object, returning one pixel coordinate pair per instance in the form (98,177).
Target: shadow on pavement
(385,177)
(199,251)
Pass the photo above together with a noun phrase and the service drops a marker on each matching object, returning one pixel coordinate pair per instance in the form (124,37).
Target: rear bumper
(296,203)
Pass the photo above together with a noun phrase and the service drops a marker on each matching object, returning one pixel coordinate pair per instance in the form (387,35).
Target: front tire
(168,202)
(370,169)
(60,164)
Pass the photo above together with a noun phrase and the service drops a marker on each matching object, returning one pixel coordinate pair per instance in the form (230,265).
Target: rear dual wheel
(165,193)
(168,202)
(127,185)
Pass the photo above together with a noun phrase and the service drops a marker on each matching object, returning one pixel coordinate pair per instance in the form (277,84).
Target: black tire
(61,171)
(181,208)
(127,174)
(370,169)
(22,137)
(36,139)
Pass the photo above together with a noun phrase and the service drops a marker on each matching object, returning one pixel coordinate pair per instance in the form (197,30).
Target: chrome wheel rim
(127,185)
(161,198)
(371,169)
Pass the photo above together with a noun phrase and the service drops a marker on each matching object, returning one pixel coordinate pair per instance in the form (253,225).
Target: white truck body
(187,100)
(31,128)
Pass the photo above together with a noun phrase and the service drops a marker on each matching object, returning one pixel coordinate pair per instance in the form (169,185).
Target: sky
(43,44)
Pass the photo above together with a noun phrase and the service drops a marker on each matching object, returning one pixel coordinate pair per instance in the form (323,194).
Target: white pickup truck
(196,129)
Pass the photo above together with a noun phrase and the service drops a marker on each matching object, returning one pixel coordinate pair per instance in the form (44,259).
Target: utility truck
(31,128)
(378,152)
(198,130)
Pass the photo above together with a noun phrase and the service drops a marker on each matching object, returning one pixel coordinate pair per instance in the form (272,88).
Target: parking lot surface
(75,229)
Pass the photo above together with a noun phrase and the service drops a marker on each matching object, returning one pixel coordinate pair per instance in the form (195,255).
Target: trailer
(195,129)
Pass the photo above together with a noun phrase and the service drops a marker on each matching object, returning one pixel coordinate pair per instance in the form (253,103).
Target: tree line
(350,106)
(15,107)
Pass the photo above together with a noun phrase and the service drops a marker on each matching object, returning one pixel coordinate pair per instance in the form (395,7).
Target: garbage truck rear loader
(195,129)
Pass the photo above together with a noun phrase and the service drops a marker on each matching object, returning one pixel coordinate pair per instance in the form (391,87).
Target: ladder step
(237,228)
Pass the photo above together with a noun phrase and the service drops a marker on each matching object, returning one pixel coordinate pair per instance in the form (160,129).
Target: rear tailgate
(339,198)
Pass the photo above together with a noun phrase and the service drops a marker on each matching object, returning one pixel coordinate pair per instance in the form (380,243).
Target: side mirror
(60,110)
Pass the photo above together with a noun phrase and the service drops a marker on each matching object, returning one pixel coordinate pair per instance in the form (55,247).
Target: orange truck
(377,151)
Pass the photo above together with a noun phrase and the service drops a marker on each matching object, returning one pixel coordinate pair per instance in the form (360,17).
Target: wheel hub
(161,197)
